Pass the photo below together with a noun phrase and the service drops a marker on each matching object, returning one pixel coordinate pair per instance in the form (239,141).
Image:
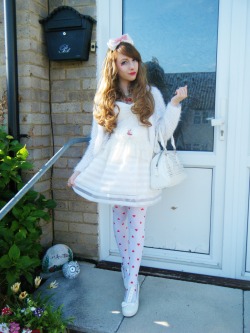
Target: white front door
(192,229)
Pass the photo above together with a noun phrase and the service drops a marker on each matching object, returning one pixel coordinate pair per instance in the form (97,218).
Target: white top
(116,167)
(164,117)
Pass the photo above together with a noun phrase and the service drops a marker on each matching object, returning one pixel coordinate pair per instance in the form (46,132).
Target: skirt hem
(133,202)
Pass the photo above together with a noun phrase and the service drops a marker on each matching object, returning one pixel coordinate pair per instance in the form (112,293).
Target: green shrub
(20,231)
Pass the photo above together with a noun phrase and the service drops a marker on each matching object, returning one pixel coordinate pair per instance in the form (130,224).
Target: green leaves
(13,157)
(20,247)
(5,262)
(14,253)
(26,165)
(22,153)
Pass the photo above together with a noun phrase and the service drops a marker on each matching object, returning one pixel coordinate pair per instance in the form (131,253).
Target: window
(178,42)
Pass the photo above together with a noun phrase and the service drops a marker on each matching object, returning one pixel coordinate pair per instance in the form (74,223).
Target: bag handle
(163,143)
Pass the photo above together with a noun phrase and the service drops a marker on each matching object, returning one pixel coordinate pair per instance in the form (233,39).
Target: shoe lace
(130,294)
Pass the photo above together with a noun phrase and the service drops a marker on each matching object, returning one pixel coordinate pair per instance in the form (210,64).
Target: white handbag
(166,167)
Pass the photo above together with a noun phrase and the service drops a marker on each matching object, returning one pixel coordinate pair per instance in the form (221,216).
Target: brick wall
(73,86)
(55,105)
(34,92)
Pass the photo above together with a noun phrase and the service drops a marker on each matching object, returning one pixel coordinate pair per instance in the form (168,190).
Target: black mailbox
(68,34)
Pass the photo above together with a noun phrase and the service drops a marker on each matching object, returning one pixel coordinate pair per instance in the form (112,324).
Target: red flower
(6,311)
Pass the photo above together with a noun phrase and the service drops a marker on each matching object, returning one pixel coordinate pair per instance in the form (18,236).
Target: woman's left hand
(180,95)
(71,180)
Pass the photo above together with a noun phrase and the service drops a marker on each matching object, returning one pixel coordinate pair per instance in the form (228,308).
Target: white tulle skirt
(120,173)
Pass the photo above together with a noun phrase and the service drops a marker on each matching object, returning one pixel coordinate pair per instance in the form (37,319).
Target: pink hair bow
(113,43)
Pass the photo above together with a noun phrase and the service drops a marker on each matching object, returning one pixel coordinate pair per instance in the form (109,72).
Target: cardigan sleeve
(167,117)
(97,139)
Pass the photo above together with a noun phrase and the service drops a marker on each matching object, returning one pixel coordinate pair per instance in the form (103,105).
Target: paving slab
(93,298)
(246,311)
(184,307)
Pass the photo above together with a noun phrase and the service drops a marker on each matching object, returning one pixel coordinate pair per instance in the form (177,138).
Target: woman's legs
(121,235)
(136,226)
(129,231)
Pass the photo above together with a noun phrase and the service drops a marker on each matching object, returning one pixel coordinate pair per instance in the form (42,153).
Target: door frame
(237,161)
(233,86)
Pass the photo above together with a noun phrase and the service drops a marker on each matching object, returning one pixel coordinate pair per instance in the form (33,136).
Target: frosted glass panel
(178,42)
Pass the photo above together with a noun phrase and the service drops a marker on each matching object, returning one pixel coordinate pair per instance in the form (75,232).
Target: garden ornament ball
(71,269)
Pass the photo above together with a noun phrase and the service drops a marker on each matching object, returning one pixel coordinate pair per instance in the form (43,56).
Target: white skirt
(120,173)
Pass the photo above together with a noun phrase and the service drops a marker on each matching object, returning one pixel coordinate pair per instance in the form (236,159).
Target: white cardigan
(165,118)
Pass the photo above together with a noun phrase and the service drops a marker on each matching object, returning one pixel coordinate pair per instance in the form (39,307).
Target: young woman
(116,166)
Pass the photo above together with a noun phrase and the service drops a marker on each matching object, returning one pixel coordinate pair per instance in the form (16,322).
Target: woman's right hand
(71,180)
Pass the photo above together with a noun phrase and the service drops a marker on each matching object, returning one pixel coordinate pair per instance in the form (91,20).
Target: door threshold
(183,276)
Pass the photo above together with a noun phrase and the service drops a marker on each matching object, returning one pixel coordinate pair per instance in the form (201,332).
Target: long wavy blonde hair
(108,90)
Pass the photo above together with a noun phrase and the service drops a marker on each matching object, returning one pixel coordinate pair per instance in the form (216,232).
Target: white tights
(129,231)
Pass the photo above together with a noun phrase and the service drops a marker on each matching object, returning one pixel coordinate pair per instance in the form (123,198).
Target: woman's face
(127,68)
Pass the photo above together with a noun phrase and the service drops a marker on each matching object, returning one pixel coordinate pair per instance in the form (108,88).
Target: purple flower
(14,327)
(38,312)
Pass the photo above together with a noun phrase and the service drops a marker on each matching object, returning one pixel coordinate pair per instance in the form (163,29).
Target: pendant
(128,100)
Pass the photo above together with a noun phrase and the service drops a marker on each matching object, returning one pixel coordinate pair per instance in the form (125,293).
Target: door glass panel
(178,41)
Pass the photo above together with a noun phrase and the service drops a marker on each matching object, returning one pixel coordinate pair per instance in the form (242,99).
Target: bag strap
(162,140)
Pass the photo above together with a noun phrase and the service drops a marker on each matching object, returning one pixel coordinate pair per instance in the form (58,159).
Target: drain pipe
(11,67)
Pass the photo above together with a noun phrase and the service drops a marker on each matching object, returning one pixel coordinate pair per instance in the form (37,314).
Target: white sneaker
(124,276)
(130,307)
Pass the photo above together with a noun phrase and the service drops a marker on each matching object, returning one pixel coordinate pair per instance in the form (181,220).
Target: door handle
(221,123)
(217,121)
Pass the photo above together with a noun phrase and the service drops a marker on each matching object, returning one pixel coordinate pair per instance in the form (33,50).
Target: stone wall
(73,86)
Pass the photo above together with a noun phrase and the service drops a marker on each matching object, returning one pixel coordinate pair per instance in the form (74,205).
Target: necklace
(127,98)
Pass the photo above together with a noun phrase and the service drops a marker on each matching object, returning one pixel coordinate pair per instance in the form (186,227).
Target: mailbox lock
(93,46)
(64,33)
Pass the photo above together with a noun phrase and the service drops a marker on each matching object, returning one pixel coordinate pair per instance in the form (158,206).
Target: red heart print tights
(129,231)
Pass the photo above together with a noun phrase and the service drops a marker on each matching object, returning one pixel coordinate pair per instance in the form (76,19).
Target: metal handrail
(38,175)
